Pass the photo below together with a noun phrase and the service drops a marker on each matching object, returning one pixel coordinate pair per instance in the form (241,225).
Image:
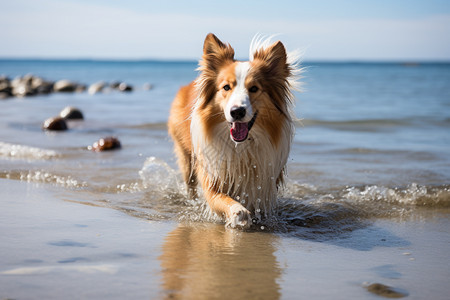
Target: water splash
(158,175)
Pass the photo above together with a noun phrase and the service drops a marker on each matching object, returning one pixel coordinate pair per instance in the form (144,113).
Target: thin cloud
(70,29)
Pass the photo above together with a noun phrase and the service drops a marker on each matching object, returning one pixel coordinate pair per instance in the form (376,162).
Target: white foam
(410,195)
(26,152)
(45,177)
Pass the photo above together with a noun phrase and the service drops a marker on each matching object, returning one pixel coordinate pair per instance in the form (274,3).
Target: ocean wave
(15,151)
(42,176)
(369,200)
(304,210)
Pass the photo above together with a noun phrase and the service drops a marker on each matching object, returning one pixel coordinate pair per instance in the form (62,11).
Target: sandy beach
(56,249)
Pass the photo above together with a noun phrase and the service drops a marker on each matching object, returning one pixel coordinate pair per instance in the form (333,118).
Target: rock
(41,86)
(96,88)
(23,90)
(386,291)
(80,88)
(16,81)
(55,123)
(123,87)
(65,86)
(114,85)
(27,79)
(148,86)
(104,144)
(5,87)
(4,95)
(4,78)
(71,113)
(45,88)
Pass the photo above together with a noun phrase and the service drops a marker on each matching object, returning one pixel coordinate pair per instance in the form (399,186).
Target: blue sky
(136,29)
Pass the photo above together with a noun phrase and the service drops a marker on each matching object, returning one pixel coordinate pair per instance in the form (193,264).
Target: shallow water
(368,177)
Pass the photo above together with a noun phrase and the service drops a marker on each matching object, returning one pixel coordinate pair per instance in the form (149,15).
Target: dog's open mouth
(239,130)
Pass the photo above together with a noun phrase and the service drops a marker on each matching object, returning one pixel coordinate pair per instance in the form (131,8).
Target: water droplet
(258,200)
(237,197)
(262,227)
(243,201)
(258,187)
(272,178)
(254,166)
(258,210)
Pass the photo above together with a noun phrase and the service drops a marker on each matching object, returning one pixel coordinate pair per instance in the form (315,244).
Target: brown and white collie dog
(232,128)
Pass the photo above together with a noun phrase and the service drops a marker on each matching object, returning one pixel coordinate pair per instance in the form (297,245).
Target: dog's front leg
(236,215)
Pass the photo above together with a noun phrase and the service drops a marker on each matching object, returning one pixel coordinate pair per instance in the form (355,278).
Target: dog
(232,128)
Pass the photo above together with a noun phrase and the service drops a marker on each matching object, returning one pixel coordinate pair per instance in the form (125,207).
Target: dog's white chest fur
(247,171)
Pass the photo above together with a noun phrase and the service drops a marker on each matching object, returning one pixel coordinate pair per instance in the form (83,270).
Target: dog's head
(245,94)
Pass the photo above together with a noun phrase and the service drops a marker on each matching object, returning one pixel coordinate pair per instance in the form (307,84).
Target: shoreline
(49,243)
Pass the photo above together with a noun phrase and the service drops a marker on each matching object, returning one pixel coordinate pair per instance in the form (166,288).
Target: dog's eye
(227,87)
(253,89)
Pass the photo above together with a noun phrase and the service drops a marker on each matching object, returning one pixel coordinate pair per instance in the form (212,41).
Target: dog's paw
(239,216)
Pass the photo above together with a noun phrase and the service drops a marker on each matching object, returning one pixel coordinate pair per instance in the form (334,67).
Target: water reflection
(207,261)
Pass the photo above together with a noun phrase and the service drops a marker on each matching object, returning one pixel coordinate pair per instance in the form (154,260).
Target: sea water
(364,130)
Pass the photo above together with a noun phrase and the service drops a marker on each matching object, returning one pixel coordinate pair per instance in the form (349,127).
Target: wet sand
(52,248)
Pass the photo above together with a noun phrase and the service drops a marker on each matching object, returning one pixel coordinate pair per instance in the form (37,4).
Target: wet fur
(239,180)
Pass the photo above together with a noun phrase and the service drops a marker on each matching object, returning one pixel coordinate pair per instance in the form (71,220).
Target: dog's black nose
(238,112)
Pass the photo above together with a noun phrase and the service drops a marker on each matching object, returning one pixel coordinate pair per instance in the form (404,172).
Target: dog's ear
(275,60)
(215,53)
(212,44)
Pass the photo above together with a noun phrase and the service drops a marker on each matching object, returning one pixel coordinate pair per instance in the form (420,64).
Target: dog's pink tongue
(239,131)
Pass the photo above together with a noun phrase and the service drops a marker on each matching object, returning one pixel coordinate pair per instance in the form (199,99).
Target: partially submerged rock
(29,85)
(96,88)
(124,87)
(55,123)
(65,86)
(71,113)
(386,291)
(105,144)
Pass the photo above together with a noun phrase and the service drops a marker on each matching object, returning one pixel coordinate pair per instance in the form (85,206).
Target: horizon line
(188,60)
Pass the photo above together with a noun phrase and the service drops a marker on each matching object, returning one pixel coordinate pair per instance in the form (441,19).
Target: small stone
(65,86)
(5,87)
(4,95)
(123,87)
(71,113)
(23,90)
(55,123)
(41,86)
(80,88)
(96,88)
(114,85)
(105,144)
(385,291)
